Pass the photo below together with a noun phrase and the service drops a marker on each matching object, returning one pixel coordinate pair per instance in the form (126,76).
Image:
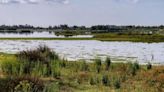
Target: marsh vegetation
(42,70)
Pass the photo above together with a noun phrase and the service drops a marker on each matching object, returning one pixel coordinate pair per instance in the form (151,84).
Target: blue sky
(82,12)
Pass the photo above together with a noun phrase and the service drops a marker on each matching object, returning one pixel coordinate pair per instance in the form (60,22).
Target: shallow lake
(38,35)
(90,49)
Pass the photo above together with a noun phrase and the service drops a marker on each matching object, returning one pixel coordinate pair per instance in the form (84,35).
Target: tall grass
(11,68)
(42,54)
(84,66)
(98,64)
(133,67)
(52,87)
(41,61)
(47,73)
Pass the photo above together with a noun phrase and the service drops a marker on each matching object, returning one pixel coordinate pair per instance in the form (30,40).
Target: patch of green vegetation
(107,37)
(68,33)
(41,70)
(129,37)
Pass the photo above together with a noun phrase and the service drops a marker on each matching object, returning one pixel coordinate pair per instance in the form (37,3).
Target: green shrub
(98,65)
(41,62)
(107,63)
(133,67)
(117,84)
(84,66)
(92,81)
(136,65)
(21,84)
(149,66)
(105,80)
(133,71)
(52,87)
(42,54)
(63,63)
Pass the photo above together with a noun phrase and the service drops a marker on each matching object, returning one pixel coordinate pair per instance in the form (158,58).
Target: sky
(82,12)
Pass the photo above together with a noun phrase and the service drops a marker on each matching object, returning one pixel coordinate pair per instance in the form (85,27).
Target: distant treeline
(96,28)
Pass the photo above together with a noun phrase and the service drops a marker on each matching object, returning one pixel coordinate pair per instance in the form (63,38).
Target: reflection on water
(88,50)
(37,35)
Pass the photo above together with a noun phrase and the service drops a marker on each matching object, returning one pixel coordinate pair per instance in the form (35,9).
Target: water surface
(37,35)
(90,49)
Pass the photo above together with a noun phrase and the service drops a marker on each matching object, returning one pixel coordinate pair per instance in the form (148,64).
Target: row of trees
(105,28)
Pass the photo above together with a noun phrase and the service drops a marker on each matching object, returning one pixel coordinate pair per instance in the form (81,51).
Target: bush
(136,65)
(21,84)
(84,66)
(63,63)
(133,67)
(39,62)
(149,66)
(98,65)
(117,84)
(108,63)
(42,54)
(92,81)
(105,80)
(133,71)
(52,87)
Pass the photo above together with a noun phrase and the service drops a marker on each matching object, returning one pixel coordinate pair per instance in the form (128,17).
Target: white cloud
(32,1)
(134,1)
(131,1)
(58,1)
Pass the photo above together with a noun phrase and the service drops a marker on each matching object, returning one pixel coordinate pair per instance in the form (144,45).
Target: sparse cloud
(131,1)
(134,1)
(32,1)
(58,1)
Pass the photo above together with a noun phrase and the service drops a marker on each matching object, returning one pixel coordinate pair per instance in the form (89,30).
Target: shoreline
(92,60)
(98,39)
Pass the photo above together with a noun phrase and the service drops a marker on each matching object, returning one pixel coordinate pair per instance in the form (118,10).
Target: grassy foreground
(41,70)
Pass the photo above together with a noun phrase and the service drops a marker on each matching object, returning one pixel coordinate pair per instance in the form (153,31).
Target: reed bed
(41,70)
